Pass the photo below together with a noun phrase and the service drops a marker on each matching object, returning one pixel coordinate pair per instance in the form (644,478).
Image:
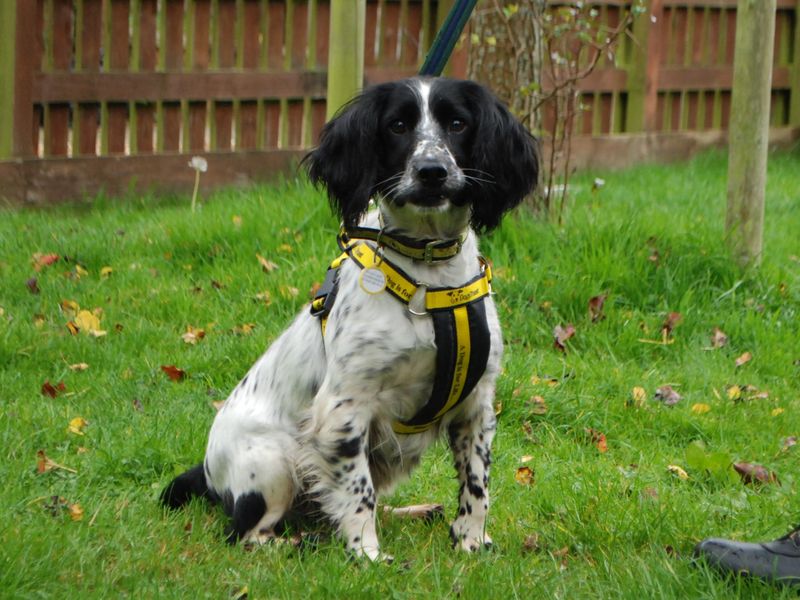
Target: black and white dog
(317,416)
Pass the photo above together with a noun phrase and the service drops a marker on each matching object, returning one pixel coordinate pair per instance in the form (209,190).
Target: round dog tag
(372,280)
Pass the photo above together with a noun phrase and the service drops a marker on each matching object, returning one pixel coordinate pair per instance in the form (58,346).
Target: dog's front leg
(344,484)
(471,442)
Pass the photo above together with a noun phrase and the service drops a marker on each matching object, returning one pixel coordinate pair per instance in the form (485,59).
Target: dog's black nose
(431,173)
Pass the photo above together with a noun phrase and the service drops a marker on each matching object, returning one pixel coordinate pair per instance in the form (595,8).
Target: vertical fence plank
(8,54)
(56,116)
(225,52)
(794,76)
(643,70)
(200,61)
(117,59)
(248,109)
(146,61)
(171,47)
(88,60)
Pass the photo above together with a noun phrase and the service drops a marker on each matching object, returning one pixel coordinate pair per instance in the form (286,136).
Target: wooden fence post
(749,128)
(346,52)
(643,70)
(794,77)
(8,21)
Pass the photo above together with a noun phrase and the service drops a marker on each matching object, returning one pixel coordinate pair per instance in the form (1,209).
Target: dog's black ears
(345,161)
(503,148)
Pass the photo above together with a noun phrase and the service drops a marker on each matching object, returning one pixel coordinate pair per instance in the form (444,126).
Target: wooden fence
(116,94)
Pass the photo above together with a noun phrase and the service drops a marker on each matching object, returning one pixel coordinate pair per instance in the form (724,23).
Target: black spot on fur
(247,512)
(348,448)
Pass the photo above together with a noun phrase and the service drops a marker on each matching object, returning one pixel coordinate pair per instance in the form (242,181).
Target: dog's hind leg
(256,482)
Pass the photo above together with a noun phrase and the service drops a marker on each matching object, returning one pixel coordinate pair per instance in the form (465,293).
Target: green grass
(613,524)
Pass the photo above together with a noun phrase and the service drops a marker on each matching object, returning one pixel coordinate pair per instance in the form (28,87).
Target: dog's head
(432,149)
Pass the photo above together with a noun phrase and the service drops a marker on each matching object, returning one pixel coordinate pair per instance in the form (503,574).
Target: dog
(343,404)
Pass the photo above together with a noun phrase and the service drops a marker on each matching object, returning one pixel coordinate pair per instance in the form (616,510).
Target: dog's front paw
(372,553)
(469,537)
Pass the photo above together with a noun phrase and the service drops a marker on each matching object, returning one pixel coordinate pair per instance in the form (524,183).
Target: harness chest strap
(460,327)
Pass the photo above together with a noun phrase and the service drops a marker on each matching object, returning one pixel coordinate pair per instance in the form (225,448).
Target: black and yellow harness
(459,314)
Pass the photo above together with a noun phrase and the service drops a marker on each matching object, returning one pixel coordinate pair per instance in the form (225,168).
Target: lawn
(583,502)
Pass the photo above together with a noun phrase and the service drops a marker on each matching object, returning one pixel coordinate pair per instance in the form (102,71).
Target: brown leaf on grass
(718,338)
(48,389)
(40,260)
(744,359)
(598,439)
(137,405)
(672,321)
(266,265)
(33,285)
(538,405)
(561,335)
(173,372)
(79,366)
(244,329)
(45,464)
(264,297)
(70,308)
(596,304)
(788,442)
(755,474)
(524,476)
(75,511)
(667,395)
(531,543)
(192,335)
(216,284)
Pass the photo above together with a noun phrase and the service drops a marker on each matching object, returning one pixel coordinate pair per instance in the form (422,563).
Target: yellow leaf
(266,265)
(744,358)
(244,329)
(285,248)
(639,395)
(192,335)
(80,271)
(237,221)
(491,40)
(69,307)
(88,323)
(75,512)
(734,392)
(700,408)
(776,412)
(678,472)
(79,367)
(526,458)
(105,272)
(524,476)
(289,291)
(77,425)
(264,297)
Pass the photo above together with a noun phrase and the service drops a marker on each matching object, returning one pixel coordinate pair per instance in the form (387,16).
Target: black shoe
(773,561)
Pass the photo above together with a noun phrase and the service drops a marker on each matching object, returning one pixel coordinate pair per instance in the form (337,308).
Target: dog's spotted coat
(312,419)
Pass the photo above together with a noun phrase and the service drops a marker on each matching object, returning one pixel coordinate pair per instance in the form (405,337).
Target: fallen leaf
(70,308)
(173,372)
(526,458)
(216,284)
(718,338)
(244,329)
(264,297)
(639,395)
(524,476)
(73,328)
(88,323)
(48,389)
(596,307)
(106,272)
(33,285)
(45,464)
(237,221)
(672,321)
(137,405)
(531,543)
(266,265)
(285,248)
(788,442)
(77,425)
(79,366)
(538,405)
(776,412)
(561,335)
(734,392)
(217,404)
(192,335)
(75,512)
(700,408)
(598,439)
(38,319)
(43,260)
(744,359)
(667,395)
(289,291)
(678,472)
(755,474)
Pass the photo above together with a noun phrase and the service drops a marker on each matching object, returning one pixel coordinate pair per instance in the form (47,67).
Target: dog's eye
(457,126)
(398,126)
